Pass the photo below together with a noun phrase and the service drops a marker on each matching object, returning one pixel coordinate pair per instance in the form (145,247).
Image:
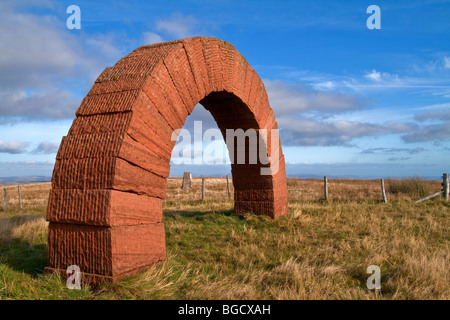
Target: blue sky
(349,101)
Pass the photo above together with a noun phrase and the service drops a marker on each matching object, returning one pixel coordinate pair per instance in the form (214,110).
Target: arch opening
(200,145)
(109,180)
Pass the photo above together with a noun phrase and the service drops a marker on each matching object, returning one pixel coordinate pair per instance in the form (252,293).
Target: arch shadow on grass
(195,213)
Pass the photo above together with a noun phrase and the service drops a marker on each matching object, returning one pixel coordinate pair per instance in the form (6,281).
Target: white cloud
(447,62)
(432,77)
(439,115)
(438,127)
(312,132)
(39,104)
(327,85)
(303,116)
(42,64)
(285,98)
(151,37)
(435,124)
(19,147)
(374,75)
(394,159)
(105,47)
(46,147)
(32,48)
(435,132)
(179,26)
(433,81)
(13,147)
(393,150)
(435,106)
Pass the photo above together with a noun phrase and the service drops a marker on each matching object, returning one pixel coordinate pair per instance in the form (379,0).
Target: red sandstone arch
(105,206)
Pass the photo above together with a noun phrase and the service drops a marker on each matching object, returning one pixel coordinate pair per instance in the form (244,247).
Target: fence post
(5,200)
(20,196)
(228,187)
(187,180)
(383,191)
(431,196)
(445,184)
(203,189)
(325,188)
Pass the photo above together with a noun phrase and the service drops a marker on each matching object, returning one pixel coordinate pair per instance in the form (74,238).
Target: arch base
(105,253)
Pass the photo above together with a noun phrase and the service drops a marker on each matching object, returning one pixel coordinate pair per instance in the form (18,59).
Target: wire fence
(35,196)
(313,189)
(25,196)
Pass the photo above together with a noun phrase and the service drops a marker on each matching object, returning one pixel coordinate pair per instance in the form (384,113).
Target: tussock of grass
(416,187)
(27,227)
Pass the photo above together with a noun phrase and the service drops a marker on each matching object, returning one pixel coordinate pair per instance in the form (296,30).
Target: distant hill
(25,179)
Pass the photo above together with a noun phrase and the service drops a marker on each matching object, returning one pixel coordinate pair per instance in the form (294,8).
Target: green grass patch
(317,251)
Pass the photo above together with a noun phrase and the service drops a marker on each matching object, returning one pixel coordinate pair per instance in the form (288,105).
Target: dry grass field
(320,250)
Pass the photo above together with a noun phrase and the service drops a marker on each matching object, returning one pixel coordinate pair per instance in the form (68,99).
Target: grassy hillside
(318,251)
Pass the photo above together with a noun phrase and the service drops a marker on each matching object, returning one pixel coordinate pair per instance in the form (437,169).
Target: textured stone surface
(105,206)
(106,251)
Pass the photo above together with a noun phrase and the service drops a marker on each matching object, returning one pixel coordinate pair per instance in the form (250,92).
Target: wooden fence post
(203,189)
(228,187)
(445,184)
(5,200)
(20,196)
(431,196)
(325,188)
(383,191)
